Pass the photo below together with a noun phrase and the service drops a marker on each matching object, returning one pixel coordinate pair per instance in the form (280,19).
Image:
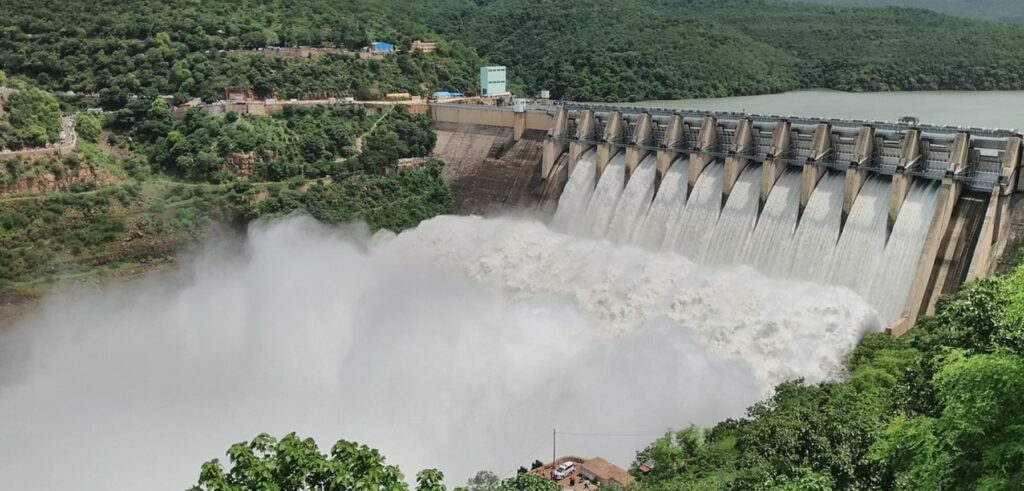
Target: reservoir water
(994,109)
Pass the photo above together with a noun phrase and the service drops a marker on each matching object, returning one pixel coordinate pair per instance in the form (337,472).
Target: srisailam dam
(900,213)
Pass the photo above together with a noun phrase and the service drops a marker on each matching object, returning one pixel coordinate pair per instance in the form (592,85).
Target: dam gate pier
(976,170)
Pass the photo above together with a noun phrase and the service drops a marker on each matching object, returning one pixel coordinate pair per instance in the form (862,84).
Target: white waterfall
(736,224)
(635,201)
(572,204)
(818,231)
(691,234)
(891,284)
(818,248)
(862,243)
(668,204)
(768,249)
(606,198)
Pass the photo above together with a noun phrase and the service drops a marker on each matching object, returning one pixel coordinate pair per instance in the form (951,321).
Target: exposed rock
(48,182)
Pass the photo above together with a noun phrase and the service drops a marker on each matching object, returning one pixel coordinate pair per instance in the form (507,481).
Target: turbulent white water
(457,345)
(606,197)
(768,249)
(736,223)
(635,201)
(691,233)
(667,206)
(862,244)
(818,231)
(572,204)
(903,250)
(778,241)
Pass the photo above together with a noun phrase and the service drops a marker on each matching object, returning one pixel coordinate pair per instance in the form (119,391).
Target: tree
(430,480)
(88,127)
(939,409)
(294,464)
(483,481)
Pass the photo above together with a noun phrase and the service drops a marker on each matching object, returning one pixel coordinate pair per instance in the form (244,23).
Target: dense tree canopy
(200,48)
(878,49)
(650,49)
(591,49)
(939,409)
(297,142)
(294,464)
(30,117)
(1004,10)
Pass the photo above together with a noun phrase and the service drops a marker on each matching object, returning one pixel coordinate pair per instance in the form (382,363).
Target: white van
(563,471)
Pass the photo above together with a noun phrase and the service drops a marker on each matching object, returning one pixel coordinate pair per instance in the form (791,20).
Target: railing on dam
(977,157)
(984,162)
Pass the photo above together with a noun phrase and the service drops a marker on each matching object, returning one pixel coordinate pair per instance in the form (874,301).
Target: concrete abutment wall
(982,165)
(904,153)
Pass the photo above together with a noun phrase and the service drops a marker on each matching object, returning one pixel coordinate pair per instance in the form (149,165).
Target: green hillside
(146,48)
(624,50)
(651,49)
(1003,10)
(587,49)
(877,49)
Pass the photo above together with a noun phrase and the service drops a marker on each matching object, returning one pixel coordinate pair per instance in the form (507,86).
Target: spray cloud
(457,345)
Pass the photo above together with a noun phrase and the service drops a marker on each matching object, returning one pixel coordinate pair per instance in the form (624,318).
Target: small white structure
(519,105)
(492,81)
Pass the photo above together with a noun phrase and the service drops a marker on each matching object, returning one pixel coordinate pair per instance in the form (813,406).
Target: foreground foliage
(939,409)
(293,463)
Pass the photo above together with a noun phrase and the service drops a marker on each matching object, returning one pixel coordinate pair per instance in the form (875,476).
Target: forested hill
(602,50)
(1003,10)
(125,48)
(657,49)
(858,49)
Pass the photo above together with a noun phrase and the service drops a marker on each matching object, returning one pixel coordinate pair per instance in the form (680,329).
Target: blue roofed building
(382,47)
(444,94)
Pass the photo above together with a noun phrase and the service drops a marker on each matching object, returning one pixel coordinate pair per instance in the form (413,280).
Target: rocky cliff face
(48,182)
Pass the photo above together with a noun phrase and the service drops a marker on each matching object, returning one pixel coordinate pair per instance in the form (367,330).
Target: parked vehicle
(563,471)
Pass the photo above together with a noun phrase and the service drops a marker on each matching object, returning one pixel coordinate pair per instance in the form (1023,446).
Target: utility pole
(554,438)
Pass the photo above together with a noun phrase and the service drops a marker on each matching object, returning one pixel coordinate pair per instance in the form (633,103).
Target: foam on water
(457,345)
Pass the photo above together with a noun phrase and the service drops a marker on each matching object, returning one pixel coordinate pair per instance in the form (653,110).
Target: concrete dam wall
(488,171)
(899,213)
